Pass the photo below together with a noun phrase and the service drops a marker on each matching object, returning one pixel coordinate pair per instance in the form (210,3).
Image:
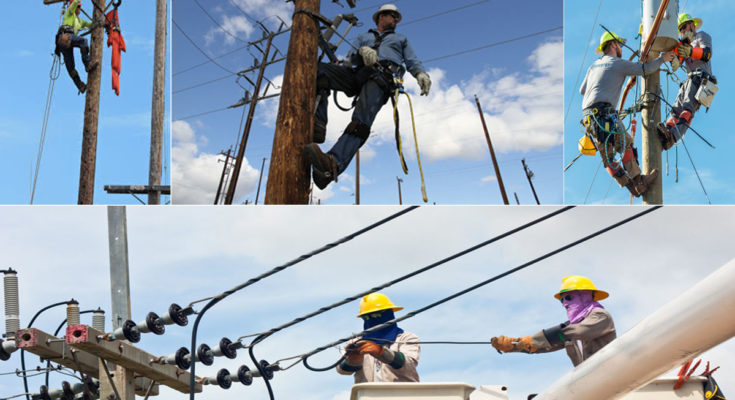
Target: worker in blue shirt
(67,38)
(382,53)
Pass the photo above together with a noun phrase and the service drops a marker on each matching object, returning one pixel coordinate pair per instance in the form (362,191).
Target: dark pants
(68,53)
(371,99)
(686,100)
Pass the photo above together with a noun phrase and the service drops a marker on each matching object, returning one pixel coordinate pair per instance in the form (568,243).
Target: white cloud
(489,178)
(195,175)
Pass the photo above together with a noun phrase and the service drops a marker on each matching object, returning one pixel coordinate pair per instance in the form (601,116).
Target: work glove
(424,83)
(675,64)
(353,355)
(683,50)
(510,344)
(372,348)
(369,56)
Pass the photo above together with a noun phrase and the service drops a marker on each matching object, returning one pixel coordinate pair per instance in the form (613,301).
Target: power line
(218,24)
(584,57)
(444,12)
(494,44)
(199,48)
(304,357)
(207,62)
(216,299)
(203,83)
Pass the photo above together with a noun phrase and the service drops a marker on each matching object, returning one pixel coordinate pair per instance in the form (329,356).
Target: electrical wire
(410,274)
(304,357)
(218,24)
(581,65)
(494,44)
(444,13)
(592,183)
(22,352)
(275,270)
(199,48)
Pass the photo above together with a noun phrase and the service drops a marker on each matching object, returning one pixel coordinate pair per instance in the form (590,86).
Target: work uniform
(696,71)
(581,340)
(601,91)
(373,370)
(71,24)
(373,87)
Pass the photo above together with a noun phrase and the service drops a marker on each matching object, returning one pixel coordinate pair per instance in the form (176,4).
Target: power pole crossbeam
(51,348)
(85,337)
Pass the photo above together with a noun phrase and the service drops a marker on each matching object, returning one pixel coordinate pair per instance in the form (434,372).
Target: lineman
(382,355)
(382,53)
(67,39)
(695,52)
(589,328)
(601,90)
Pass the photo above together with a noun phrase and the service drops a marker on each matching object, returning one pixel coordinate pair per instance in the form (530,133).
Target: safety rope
(216,299)
(53,75)
(304,357)
(398,82)
(586,197)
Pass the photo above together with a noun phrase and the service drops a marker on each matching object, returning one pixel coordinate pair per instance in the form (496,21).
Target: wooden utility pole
(357,177)
(91,111)
(159,82)
(652,149)
(224,172)
(248,123)
(529,174)
(288,176)
(257,194)
(492,153)
(400,199)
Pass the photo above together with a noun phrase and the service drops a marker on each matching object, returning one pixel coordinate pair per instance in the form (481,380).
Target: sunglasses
(392,14)
(686,24)
(375,315)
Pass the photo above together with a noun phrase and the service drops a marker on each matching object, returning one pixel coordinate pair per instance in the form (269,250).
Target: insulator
(72,312)
(204,354)
(67,390)
(128,331)
(224,349)
(6,348)
(222,379)
(98,320)
(152,323)
(268,369)
(175,316)
(244,375)
(12,310)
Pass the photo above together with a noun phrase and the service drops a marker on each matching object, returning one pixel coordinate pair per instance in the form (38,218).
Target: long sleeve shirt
(394,47)
(71,19)
(582,339)
(606,76)
(373,370)
(701,39)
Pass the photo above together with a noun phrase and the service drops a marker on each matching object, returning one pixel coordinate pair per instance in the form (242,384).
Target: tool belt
(382,75)
(599,120)
(63,37)
(707,87)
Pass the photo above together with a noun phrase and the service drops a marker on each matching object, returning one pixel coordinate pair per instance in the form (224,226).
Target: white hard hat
(384,8)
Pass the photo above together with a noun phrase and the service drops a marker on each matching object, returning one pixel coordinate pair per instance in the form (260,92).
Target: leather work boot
(667,138)
(320,131)
(324,166)
(643,181)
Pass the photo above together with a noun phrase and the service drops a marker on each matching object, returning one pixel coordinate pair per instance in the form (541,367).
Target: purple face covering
(579,303)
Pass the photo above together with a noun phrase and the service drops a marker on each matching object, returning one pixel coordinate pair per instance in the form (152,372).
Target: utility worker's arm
(596,324)
(416,68)
(635,68)
(703,49)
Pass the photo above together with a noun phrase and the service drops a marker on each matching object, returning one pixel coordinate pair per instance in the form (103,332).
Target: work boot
(631,187)
(642,182)
(668,140)
(78,82)
(320,131)
(324,166)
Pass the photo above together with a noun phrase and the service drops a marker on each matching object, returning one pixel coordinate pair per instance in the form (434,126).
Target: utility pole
(120,291)
(248,123)
(400,200)
(492,153)
(288,177)
(516,195)
(159,82)
(650,115)
(357,177)
(91,111)
(224,172)
(257,194)
(529,175)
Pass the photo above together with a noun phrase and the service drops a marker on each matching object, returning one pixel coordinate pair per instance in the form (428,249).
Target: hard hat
(578,282)
(586,146)
(386,8)
(684,17)
(606,37)
(376,302)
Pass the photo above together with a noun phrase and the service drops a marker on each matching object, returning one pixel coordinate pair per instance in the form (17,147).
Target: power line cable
(199,48)
(207,62)
(264,335)
(218,24)
(216,299)
(304,357)
(581,65)
(444,13)
(494,44)
(203,83)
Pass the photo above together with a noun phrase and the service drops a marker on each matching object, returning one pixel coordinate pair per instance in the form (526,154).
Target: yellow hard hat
(578,282)
(606,37)
(586,146)
(376,302)
(684,17)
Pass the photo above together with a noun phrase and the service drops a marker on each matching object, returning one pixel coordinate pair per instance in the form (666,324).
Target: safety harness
(601,123)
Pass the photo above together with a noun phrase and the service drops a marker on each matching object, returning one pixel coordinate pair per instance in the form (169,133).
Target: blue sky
(124,122)
(518,83)
(181,254)
(714,166)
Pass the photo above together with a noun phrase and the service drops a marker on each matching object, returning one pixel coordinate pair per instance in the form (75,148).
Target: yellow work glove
(503,343)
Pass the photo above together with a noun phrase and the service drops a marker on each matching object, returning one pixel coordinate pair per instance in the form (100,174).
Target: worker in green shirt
(67,39)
